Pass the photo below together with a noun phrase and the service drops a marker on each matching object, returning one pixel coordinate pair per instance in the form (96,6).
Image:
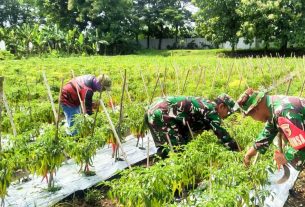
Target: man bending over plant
(281,114)
(77,95)
(173,119)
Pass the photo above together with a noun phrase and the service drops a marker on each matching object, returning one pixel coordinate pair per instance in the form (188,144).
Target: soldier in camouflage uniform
(283,114)
(172,119)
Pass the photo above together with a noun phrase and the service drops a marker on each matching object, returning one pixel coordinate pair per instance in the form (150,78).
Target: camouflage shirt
(292,108)
(171,114)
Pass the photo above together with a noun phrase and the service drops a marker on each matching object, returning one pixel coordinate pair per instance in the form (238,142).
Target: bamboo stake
(184,85)
(221,69)
(147,163)
(121,112)
(191,132)
(58,110)
(28,98)
(78,95)
(169,142)
(153,94)
(230,73)
(145,87)
(9,112)
(127,91)
(114,132)
(204,76)
(161,86)
(288,87)
(255,158)
(1,104)
(198,82)
(95,116)
(280,135)
(214,78)
(111,101)
(164,81)
(50,95)
(177,79)
(302,88)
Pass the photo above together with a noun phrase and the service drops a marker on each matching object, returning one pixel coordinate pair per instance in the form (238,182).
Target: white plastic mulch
(33,193)
(280,192)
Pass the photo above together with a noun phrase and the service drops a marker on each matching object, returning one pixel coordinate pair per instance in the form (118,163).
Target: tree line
(115,26)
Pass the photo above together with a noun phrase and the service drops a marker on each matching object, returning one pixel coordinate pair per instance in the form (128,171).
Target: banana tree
(70,40)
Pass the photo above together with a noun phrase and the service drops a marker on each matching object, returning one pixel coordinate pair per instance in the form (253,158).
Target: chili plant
(6,166)
(46,155)
(83,146)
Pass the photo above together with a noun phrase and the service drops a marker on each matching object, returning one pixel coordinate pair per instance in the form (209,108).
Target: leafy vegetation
(200,172)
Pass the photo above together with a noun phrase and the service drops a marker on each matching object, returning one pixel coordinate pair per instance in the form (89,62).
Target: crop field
(203,173)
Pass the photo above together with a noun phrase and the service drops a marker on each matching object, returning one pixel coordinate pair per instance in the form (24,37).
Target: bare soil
(297,194)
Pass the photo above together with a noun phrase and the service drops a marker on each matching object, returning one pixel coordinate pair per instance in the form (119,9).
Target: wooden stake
(111,101)
(94,122)
(164,81)
(114,132)
(144,84)
(28,98)
(199,79)
(230,73)
(78,94)
(177,79)
(288,87)
(121,112)
(302,88)
(127,91)
(9,112)
(191,132)
(153,94)
(50,95)
(58,110)
(184,85)
(169,142)
(255,158)
(1,105)
(147,163)
(214,78)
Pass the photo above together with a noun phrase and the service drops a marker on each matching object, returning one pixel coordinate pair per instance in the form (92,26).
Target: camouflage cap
(105,81)
(228,101)
(249,99)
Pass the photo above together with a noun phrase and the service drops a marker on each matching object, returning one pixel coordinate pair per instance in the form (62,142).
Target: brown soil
(297,194)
